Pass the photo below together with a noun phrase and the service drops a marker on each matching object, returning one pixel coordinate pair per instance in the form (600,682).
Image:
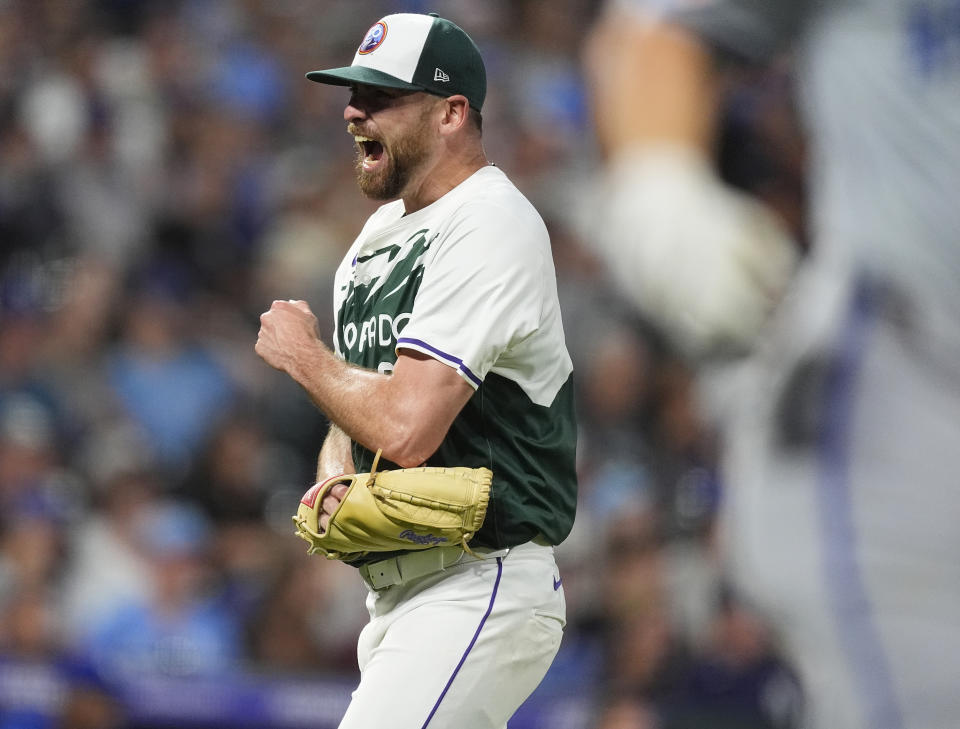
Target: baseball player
(448,352)
(843,507)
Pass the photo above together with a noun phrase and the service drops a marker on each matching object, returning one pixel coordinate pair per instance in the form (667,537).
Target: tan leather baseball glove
(404,509)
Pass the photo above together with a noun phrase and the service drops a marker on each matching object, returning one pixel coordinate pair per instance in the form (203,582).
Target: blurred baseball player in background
(842,506)
(448,351)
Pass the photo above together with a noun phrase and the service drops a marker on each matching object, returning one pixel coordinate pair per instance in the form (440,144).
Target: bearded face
(387,161)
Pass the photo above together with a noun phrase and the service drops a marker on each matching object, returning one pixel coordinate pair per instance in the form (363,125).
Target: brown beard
(401,159)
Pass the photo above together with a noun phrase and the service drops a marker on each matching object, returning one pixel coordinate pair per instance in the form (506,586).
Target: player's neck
(441,177)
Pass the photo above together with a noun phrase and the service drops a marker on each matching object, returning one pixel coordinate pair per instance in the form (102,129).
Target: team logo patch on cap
(373,38)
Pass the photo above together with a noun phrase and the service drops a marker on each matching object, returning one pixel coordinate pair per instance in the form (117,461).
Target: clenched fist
(288,335)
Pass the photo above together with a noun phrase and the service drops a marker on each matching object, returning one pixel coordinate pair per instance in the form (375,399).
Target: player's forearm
(355,399)
(405,414)
(336,455)
(368,407)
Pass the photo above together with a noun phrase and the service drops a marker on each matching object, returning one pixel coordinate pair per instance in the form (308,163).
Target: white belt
(411,565)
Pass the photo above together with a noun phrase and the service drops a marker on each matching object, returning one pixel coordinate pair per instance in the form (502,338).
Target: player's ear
(456,111)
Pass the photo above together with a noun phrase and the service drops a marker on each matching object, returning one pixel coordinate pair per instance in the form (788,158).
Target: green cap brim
(349,75)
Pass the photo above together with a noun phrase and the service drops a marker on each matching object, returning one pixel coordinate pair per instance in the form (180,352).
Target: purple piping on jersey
(850,602)
(443,355)
(496,586)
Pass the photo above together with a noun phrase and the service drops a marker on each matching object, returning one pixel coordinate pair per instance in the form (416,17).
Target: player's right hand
(287,331)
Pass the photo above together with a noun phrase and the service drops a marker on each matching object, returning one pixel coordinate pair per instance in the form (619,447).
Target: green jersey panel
(377,307)
(530,449)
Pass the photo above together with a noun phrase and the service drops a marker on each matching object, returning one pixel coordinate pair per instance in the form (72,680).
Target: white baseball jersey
(469,280)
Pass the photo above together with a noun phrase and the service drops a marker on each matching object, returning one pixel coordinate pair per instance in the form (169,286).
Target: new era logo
(439,75)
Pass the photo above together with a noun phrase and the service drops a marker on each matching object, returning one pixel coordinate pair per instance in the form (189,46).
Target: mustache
(353,130)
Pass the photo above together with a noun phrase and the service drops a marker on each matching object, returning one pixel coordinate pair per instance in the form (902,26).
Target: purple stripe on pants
(473,641)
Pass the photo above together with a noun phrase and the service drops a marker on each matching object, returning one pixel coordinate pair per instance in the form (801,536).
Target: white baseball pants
(463,647)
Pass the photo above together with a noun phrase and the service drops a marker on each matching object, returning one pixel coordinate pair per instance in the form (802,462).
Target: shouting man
(448,352)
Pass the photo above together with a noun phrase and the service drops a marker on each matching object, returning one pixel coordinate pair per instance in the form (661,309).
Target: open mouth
(372,151)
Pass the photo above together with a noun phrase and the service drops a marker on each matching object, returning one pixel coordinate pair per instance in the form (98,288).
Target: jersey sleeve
(482,293)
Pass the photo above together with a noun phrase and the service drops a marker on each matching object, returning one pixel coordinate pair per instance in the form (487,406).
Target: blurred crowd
(165,173)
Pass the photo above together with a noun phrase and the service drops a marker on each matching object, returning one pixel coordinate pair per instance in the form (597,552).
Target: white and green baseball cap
(415,52)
